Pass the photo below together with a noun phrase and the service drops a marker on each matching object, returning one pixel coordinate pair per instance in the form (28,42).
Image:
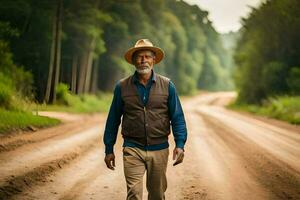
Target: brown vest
(149,124)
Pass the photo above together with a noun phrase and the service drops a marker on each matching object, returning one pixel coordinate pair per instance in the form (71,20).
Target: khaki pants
(136,163)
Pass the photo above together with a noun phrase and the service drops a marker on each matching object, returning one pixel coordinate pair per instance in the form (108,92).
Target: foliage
(97,33)
(10,98)
(15,82)
(285,108)
(267,54)
(273,78)
(63,94)
(80,104)
(293,80)
(69,102)
(6,92)
(19,80)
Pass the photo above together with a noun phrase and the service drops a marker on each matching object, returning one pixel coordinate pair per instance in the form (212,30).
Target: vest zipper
(145,124)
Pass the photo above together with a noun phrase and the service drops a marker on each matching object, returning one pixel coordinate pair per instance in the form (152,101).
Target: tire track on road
(216,171)
(12,142)
(275,175)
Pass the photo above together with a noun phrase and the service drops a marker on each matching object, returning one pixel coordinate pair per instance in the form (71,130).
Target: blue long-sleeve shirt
(116,111)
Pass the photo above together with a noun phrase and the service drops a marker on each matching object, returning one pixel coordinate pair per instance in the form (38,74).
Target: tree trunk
(89,66)
(74,73)
(94,81)
(58,46)
(89,62)
(54,63)
(51,63)
(82,73)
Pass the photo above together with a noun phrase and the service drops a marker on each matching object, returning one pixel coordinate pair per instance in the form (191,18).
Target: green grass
(286,108)
(79,104)
(15,120)
(11,120)
(21,117)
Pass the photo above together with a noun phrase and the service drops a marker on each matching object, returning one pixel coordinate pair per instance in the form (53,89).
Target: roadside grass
(17,108)
(78,104)
(286,108)
(18,113)
(14,112)
(15,120)
(23,118)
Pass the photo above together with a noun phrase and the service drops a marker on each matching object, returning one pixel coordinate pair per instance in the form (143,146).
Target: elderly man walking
(148,105)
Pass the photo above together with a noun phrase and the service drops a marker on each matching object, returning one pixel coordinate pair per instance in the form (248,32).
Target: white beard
(144,71)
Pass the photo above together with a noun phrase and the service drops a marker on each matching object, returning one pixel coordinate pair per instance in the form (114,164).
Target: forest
(82,43)
(267,54)
(60,51)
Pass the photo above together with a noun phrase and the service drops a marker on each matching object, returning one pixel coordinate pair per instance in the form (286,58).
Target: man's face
(144,61)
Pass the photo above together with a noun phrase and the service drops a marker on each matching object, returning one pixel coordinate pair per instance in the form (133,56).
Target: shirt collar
(136,79)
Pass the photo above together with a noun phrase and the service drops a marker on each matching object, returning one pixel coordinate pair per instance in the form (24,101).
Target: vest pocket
(132,128)
(159,127)
(157,131)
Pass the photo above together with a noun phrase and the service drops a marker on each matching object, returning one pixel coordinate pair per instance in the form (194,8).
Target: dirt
(228,155)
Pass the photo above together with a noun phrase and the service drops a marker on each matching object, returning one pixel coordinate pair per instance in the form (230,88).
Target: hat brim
(159,54)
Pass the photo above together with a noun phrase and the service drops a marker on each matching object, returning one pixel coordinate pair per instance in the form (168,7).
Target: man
(149,104)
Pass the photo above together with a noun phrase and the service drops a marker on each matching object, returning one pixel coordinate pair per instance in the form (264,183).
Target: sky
(226,14)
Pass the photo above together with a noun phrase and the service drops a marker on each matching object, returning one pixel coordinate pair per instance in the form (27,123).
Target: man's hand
(110,161)
(178,154)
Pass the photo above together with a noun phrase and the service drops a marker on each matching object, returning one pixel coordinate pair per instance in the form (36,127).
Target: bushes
(274,78)
(294,80)
(69,102)
(6,92)
(16,84)
(285,108)
(13,112)
(63,95)
(15,91)
(10,98)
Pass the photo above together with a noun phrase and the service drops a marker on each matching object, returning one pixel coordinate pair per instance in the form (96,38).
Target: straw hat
(144,44)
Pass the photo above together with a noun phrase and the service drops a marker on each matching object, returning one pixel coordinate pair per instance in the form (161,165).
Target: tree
(267,50)
(54,63)
(85,22)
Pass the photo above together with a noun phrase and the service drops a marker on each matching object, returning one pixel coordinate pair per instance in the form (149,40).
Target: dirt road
(228,156)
